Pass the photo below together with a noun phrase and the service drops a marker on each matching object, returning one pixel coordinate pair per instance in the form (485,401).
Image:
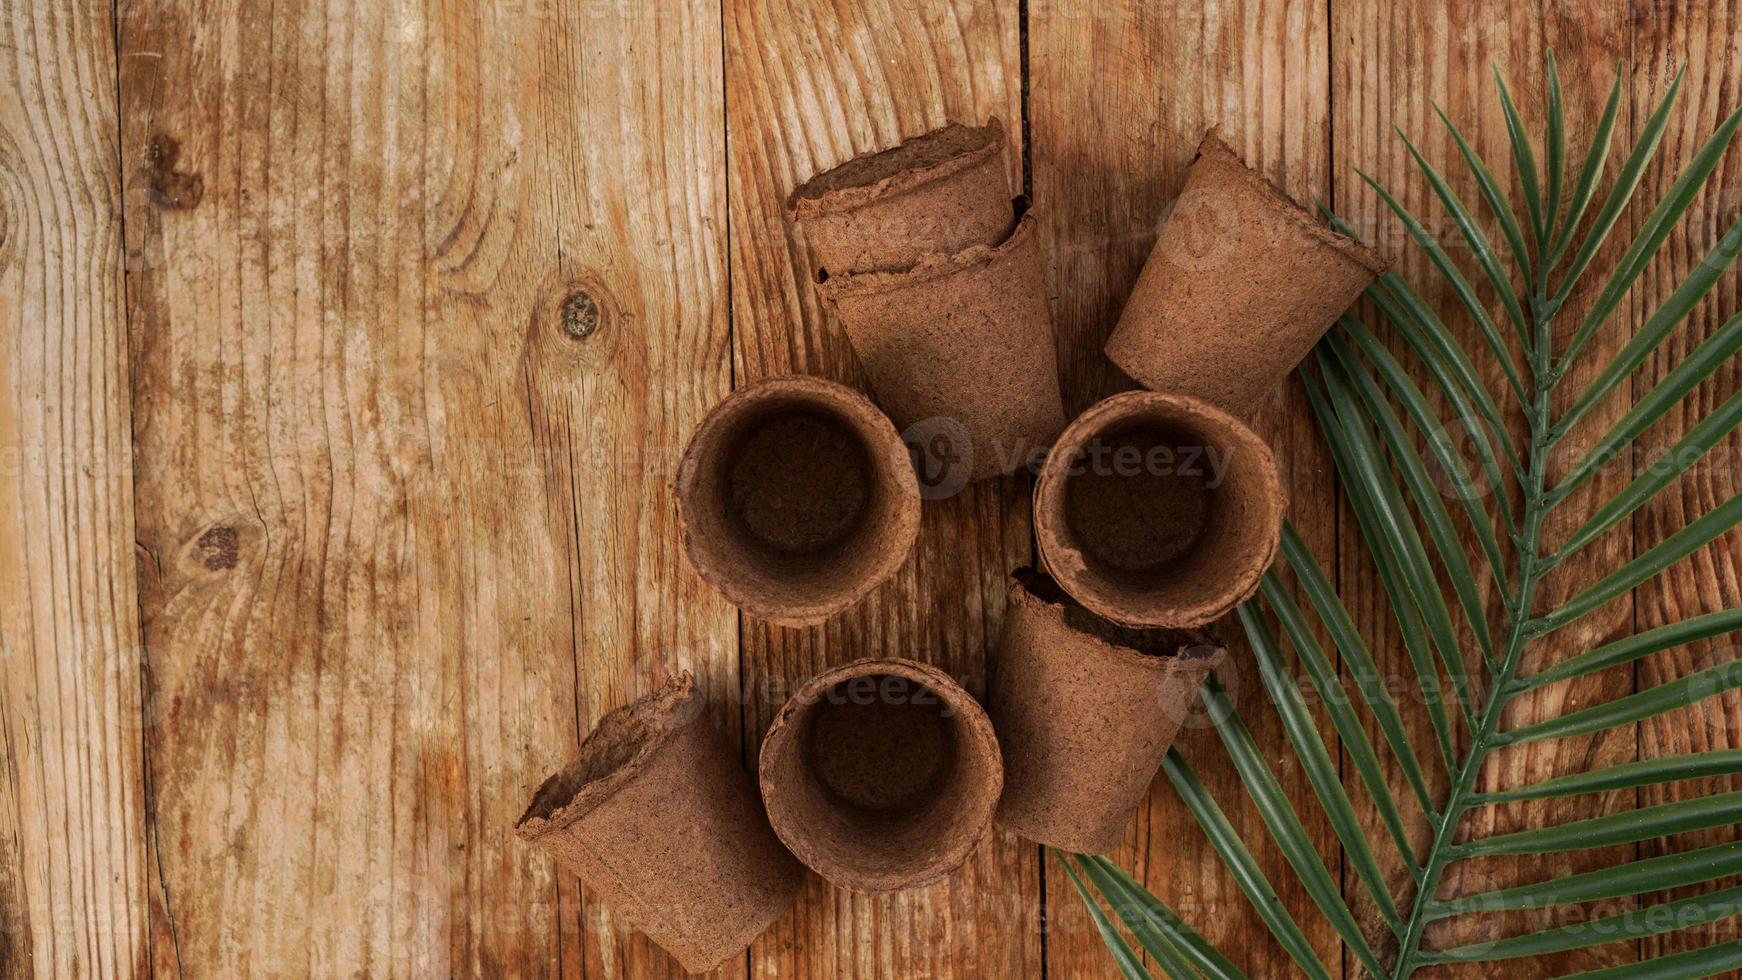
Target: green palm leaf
(1143,914)
(1653,921)
(1129,965)
(1467,572)
(1524,160)
(1627,775)
(1593,169)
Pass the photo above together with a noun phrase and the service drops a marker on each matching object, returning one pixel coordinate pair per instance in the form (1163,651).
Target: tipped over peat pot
(961,344)
(657,816)
(1085,710)
(1159,510)
(1240,285)
(938,193)
(797,497)
(881,774)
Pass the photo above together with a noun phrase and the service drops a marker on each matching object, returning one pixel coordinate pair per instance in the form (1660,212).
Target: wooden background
(323,539)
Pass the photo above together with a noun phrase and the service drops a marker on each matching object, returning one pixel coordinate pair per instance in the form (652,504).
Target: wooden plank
(1702,39)
(809,86)
(1393,63)
(1120,97)
(73,855)
(425,301)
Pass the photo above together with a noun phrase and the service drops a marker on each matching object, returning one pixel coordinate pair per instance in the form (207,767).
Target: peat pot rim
(933,267)
(889,465)
(1216,151)
(1033,589)
(974,734)
(579,788)
(888,173)
(1254,477)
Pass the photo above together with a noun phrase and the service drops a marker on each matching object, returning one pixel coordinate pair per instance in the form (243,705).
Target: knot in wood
(170,189)
(579,315)
(219,548)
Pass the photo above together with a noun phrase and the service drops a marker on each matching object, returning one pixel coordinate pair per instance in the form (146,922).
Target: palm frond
(1248,876)
(1626,775)
(1460,285)
(1636,924)
(1142,912)
(1129,965)
(1588,174)
(1524,161)
(1621,192)
(1656,228)
(1467,571)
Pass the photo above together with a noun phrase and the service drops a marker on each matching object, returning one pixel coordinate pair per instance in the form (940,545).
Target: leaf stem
(1443,850)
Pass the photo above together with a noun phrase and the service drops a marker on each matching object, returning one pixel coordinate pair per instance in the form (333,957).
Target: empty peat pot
(1085,710)
(881,774)
(1159,510)
(1240,285)
(962,345)
(657,816)
(938,193)
(797,497)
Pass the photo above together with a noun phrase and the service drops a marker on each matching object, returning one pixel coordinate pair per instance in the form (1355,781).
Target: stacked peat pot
(1156,513)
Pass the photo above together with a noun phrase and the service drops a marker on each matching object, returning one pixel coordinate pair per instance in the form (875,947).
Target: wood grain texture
(1703,39)
(807,87)
(424,301)
(72,831)
(339,404)
(1121,95)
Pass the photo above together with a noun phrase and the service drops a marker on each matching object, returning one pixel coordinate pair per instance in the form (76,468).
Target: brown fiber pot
(657,816)
(881,774)
(961,346)
(1240,285)
(938,193)
(1159,510)
(797,497)
(1085,710)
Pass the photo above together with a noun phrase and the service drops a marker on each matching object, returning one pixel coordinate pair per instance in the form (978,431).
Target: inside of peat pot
(1138,501)
(795,498)
(609,753)
(918,153)
(1153,506)
(1019,206)
(882,772)
(1158,642)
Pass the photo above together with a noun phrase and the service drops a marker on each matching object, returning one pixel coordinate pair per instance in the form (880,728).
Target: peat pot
(1240,285)
(938,193)
(1159,510)
(656,815)
(1085,710)
(797,497)
(881,774)
(960,349)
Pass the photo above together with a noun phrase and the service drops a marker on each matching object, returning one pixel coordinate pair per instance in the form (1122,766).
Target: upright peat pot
(1159,510)
(938,193)
(961,346)
(797,497)
(1085,710)
(881,774)
(1240,285)
(657,816)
